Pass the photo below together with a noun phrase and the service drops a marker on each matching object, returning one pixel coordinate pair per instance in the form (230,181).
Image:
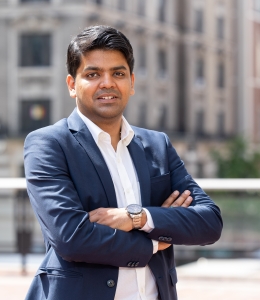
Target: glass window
(121,4)
(34,114)
(220,27)
(199,75)
(257,5)
(143,114)
(162,64)
(35,50)
(141,7)
(221,76)
(162,120)
(200,123)
(161,10)
(34,1)
(221,124)
(142,58)
(198,20)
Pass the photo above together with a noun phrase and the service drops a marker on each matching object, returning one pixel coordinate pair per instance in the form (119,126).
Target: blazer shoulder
(52,131)
(149,135)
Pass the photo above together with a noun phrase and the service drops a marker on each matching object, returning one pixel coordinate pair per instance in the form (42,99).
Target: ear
(132,92)
(71,86)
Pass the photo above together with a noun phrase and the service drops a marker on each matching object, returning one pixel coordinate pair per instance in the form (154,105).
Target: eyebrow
(93,68)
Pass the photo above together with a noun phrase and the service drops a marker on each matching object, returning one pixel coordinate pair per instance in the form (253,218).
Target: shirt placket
(125,181)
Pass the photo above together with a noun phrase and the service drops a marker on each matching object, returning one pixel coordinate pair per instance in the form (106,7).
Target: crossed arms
(56,187)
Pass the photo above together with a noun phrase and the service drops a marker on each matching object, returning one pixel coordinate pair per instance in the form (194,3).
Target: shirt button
(110,283)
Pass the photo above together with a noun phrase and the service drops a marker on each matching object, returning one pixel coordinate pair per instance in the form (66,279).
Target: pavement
(206,279)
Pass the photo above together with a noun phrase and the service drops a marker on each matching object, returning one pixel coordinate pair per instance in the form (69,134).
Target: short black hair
(97,37)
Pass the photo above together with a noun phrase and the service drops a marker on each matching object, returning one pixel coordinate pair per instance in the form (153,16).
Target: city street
(203,280)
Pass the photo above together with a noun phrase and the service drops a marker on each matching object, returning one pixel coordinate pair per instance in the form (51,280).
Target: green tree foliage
(238,162)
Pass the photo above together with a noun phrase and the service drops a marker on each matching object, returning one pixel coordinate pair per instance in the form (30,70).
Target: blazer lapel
(84,137)
(136,151)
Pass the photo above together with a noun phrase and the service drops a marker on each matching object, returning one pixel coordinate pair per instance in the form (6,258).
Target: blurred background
(197,67)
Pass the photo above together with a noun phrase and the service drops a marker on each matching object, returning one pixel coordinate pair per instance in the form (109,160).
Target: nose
(107,81)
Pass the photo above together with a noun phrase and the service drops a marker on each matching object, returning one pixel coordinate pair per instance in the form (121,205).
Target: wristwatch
(135,212)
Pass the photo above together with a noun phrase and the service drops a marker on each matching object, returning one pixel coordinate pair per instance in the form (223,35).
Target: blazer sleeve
(64,222)
(199,224)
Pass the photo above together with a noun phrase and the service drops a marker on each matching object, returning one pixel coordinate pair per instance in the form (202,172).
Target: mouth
(107,97)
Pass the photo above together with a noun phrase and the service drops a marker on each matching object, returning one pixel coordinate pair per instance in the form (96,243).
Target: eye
(92,75)
(119,74)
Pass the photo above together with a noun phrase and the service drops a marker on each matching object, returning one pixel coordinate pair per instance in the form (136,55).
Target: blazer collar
(135,148)
(137,153)
(85,139)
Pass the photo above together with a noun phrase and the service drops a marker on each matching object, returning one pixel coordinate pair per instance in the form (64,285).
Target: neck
(113,129)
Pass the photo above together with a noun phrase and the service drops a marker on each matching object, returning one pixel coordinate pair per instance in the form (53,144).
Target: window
(200,123)
(162,63)
(121,4)
(141,7)
(34,114)
(23,1)
(220,27)
(257,5)
(198,20)
(143,114)
(199,76)
(161,11)
(35,50)
(221,124)
(221,76)
(162,120)
(142,59)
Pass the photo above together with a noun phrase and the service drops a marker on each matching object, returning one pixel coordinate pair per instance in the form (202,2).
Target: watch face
(134,209)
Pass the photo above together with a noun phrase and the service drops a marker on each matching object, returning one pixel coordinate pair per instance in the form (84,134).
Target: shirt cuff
(149,225)
(155,246)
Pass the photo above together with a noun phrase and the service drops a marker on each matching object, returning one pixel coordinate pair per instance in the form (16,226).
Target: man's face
(102,86)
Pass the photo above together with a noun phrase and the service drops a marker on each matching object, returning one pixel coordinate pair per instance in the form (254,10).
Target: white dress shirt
(133,283)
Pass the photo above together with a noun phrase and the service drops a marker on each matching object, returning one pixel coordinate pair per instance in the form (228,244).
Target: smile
(107,98)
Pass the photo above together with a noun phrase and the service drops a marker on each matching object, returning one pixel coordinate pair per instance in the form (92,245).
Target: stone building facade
(190,62)
(185,66)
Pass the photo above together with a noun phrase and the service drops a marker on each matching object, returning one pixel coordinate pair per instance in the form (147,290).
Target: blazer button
(110,283)
(169,239)
(136,264)
(129,264)
(161,238)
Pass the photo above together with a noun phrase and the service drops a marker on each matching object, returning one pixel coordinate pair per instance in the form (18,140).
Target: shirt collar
(127,132)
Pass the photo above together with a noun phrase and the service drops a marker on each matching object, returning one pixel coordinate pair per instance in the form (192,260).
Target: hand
(174,201)
(163,246)
(113,217)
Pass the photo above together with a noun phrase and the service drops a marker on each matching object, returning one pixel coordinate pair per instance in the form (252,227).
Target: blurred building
(186,76)
(197,74)
(248,63)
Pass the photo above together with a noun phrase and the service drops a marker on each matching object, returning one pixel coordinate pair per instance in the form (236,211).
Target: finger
(169,201)
(187,202)
(163,246)
(181,199)
(93,212)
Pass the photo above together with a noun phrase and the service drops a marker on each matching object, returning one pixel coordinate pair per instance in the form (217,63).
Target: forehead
(103,59)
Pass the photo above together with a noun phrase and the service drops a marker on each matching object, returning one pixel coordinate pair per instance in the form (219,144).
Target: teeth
(107,98)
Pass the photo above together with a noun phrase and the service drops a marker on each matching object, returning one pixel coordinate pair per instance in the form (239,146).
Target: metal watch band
(137,221)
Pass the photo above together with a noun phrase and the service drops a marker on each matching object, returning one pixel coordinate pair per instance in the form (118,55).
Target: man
(107,194)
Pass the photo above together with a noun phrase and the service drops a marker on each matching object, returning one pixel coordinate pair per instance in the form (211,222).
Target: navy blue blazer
(67,177)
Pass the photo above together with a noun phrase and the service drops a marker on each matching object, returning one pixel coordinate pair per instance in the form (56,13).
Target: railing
(239,236)
(209,184)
